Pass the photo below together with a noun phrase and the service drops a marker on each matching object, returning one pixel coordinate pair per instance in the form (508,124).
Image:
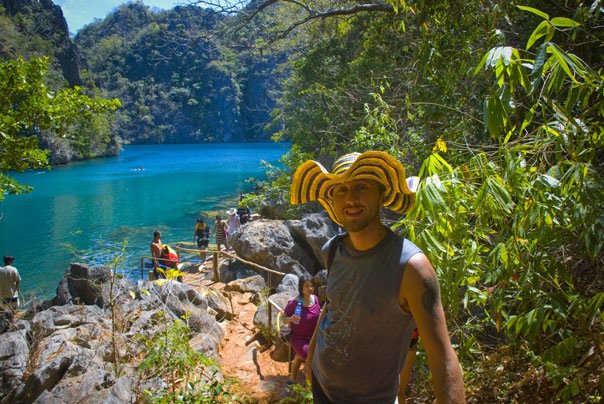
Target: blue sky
(81,12)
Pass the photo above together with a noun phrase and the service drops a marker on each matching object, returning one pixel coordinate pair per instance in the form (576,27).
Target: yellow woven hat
(312,182)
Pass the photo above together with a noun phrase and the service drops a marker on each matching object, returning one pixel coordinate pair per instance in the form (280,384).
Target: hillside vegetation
(498,107)
(181,74)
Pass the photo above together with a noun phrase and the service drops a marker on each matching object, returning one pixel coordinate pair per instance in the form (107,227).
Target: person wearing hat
(9,285)
(380,286)
(234,221)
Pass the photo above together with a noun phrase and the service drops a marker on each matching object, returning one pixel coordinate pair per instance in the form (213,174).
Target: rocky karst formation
(64,350)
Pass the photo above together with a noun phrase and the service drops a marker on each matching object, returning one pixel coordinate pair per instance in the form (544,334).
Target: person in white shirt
(9,285)
(234,221)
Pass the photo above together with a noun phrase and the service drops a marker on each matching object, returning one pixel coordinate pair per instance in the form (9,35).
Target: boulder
(200,323)
(182,291)
(49,321)
(63,296)
(282,352)
(288,284)
(45,378)
(14,354)
(269,243)
(280,299)
(311,233)
(228,270)
(74,389)
(85,284)
(254,284)
(219,303)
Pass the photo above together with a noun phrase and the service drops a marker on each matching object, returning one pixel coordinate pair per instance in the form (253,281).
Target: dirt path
(258,377)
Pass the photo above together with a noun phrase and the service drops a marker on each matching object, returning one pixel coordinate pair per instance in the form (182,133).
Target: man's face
(357,204)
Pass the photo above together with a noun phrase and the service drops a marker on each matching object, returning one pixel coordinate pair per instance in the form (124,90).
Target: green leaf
(561,61)
(534,11)
(506,55)
(539,60)
(483,62)
(542,30)
(564,22)
(432,242)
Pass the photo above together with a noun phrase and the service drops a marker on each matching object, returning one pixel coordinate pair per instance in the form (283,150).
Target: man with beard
(380,287)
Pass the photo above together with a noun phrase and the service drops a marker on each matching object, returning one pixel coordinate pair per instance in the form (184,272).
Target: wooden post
(142,269)
(270,322)
(215,266)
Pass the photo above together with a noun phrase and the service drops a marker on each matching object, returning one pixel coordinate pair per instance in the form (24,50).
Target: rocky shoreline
(85,344)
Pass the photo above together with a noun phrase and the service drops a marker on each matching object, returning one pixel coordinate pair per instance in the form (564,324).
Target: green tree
(28,108)
(518,226)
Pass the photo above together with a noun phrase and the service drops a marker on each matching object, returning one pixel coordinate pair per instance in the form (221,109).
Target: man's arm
(155,253)
(312,344)
(421,293)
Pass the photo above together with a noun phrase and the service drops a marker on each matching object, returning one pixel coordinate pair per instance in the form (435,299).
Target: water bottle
(297,313)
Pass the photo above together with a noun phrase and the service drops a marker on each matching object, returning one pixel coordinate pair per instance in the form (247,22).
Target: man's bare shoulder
(419,274)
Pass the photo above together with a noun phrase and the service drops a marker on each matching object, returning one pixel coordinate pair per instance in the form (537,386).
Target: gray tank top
(363,341)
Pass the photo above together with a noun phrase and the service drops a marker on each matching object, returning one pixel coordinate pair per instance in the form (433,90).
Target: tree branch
(238,7)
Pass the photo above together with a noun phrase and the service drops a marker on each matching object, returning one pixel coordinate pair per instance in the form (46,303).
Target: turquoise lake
(83,211)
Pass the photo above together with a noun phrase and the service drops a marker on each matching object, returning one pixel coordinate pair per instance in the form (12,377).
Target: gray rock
(45,322)
(122,391)
(228,271)
(145,324)
(263,241)
(75,389)
(311,233)
(280,299)
(14,354)
(254,284)
(320,280)
(219,303)
(45,377)
(63,296)
(47,398)
(85,284)
(199,322)
(289,283)
(184,293)
(289,265)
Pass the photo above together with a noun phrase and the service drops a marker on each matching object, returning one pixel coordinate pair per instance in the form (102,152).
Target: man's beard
(360,224)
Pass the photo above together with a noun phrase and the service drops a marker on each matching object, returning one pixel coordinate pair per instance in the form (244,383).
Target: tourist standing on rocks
(220,231)
(244,214)
(302,314)
(156,248)
(202,234)
(380,286)
(9,286)
(234,221)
